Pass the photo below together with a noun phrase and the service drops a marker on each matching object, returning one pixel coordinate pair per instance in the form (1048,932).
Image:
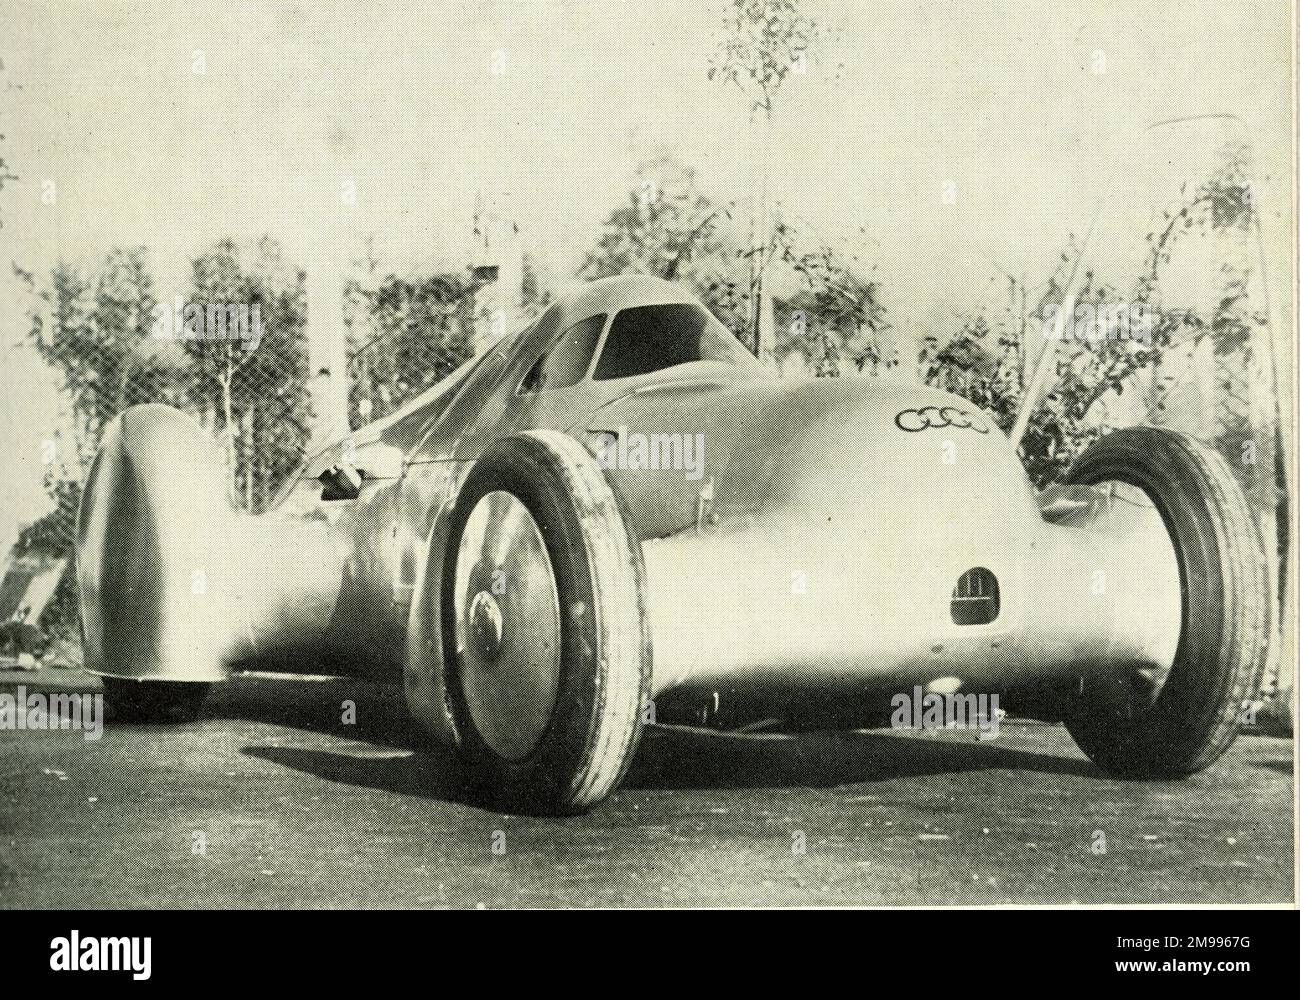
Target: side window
(567,361)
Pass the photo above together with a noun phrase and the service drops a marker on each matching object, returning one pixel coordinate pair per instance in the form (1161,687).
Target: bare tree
(763,42)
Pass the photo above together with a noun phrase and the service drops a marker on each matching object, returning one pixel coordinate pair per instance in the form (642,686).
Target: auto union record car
(619,516)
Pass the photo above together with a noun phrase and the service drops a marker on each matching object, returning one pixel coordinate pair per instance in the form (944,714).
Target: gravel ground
(270,801)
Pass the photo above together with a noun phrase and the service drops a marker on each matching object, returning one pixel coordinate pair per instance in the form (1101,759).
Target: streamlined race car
(618,515)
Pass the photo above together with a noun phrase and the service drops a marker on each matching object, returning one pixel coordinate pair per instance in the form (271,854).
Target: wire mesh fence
(405,335)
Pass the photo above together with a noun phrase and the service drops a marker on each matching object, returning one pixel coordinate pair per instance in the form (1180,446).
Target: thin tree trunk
(227,410)
(764,325)
(250,466)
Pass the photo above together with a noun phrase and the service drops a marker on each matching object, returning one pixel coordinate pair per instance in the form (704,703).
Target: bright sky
(401,99)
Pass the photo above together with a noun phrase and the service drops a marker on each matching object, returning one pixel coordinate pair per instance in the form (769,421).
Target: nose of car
(856,448)
(876,529)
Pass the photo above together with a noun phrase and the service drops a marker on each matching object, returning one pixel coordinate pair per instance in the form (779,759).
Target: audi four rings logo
(940,416)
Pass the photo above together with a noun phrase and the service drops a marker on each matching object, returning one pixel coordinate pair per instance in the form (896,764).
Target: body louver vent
(975,598)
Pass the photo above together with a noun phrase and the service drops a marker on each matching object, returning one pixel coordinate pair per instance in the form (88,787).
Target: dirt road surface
(270,800)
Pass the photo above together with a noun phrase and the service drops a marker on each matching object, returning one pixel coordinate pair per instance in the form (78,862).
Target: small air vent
(975,598)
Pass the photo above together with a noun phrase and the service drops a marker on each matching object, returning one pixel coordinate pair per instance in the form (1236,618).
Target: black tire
(604,659)
(1220,660)
(154,701)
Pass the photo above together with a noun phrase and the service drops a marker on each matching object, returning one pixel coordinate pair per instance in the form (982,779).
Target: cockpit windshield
(650,338)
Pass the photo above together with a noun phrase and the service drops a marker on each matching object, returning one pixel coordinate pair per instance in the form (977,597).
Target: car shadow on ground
(421,773)
(338,706)
(685,758)
(386,751)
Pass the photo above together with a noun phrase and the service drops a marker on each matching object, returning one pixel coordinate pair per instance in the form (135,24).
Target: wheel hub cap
(507,614)
(485,626)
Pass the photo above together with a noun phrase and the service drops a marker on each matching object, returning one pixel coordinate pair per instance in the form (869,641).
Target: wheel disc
(507,620)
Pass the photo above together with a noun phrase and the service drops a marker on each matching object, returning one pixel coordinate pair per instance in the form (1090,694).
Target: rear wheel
(546,648)
(1184,724)
(154,701)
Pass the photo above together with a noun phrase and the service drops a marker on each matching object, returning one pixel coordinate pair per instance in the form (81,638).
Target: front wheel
(1192,718)
(545,644)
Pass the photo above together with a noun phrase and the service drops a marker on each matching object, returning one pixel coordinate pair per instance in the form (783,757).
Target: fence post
(328,349)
